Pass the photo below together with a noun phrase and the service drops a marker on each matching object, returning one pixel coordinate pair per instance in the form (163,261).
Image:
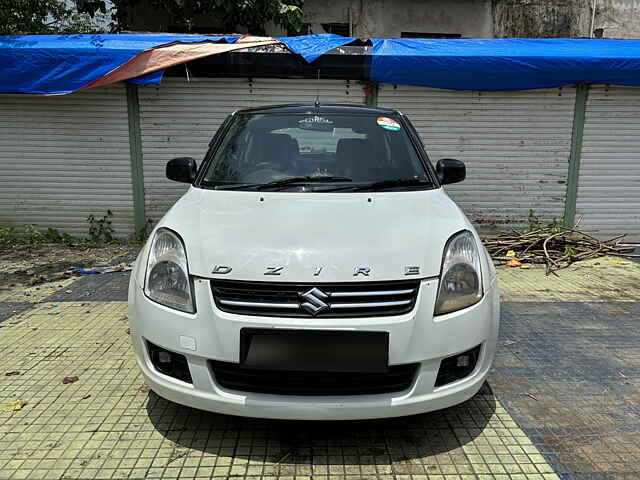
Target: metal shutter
(515,145)
(609,181)
(179,118)
(63,158)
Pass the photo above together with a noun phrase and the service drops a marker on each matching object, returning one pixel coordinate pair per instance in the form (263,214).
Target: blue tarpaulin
(65,63)
(311,47)
(505,64)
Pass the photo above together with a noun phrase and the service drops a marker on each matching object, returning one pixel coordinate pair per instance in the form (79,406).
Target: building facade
(65,157)
(437,19)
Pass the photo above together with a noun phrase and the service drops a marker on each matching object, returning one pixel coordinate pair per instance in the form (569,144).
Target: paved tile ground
(8,309)
(569,373)
(111,287)
(36,293)
(597,280)
(563,401)
(106,426)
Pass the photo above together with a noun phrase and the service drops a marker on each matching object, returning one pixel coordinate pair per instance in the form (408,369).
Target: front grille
(233,377)
(361,299)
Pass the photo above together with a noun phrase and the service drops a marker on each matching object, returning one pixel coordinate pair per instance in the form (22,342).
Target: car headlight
(460,278)
(167,277)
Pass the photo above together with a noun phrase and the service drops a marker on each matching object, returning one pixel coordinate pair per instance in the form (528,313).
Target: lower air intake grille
(233,377)
(355,299)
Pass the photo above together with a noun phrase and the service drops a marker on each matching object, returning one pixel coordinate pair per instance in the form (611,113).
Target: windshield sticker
(315,120)
(388,124)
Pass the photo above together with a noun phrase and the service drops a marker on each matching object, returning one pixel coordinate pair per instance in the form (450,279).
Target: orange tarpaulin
(174,54)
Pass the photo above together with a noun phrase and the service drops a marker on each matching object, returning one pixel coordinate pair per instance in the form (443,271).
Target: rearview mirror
(450,171)
(182,169)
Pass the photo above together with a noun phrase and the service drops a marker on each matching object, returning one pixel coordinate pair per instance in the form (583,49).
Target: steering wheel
(262,166)
(263,175)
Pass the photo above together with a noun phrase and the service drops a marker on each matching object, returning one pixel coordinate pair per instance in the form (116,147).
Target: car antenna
(317,101)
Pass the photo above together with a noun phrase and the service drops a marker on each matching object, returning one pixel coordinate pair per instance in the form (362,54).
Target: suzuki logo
(314,301)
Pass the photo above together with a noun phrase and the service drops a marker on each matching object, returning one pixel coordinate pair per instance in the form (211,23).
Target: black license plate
(314,350)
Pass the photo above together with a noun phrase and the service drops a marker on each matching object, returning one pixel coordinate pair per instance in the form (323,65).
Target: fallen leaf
(67,380)
(14,406)
(619,262)
(531,395)
(144,388)
(525,266)
(511,253)
(68,291)
(514,262)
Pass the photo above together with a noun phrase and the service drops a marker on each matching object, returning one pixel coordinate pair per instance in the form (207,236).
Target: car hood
(314,237)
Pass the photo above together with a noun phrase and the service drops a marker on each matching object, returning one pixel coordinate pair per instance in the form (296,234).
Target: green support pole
(371,94)
(582,93)
(135,151)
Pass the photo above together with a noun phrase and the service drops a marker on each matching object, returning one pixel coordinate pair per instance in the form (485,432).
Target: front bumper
(415,337)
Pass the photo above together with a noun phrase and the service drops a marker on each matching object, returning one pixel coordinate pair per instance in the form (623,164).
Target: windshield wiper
(379,185)
(398,182)
(230,186)
(307,179)
(278,183)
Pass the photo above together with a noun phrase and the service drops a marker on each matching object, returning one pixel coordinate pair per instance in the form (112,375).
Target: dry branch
(554,246)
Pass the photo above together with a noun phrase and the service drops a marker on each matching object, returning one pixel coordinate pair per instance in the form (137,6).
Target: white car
(315,269)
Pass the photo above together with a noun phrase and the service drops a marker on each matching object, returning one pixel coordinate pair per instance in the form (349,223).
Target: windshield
(311,151)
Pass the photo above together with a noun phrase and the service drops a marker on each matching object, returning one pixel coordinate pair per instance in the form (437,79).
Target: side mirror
(450,171)
(182,169)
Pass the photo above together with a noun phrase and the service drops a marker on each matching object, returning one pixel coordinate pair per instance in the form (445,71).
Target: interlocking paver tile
(593,280)
(33,293)
(8,309)
(569,373)
(103,426)
(106,287)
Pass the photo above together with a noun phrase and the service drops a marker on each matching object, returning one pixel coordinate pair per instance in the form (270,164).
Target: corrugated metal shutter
(179,119)
(515,145)
(609,181)
(63,158)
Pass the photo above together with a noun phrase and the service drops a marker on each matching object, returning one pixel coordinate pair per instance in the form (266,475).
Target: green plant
(535,224)
(141,236)
(8,236)
(100,229)
(53,235)
(33,235)
(29,234)
(51,16)
(252,14)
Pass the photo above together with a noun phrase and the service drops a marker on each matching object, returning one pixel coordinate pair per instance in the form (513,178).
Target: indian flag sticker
(388,124)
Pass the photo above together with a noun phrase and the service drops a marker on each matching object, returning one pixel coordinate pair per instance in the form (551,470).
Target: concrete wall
(618,18)
(541,18)
(566,18)
(468,18)
(379,18)
(480,18)
(389,18)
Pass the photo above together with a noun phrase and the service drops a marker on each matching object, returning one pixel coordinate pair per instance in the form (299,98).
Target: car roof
(310,109)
